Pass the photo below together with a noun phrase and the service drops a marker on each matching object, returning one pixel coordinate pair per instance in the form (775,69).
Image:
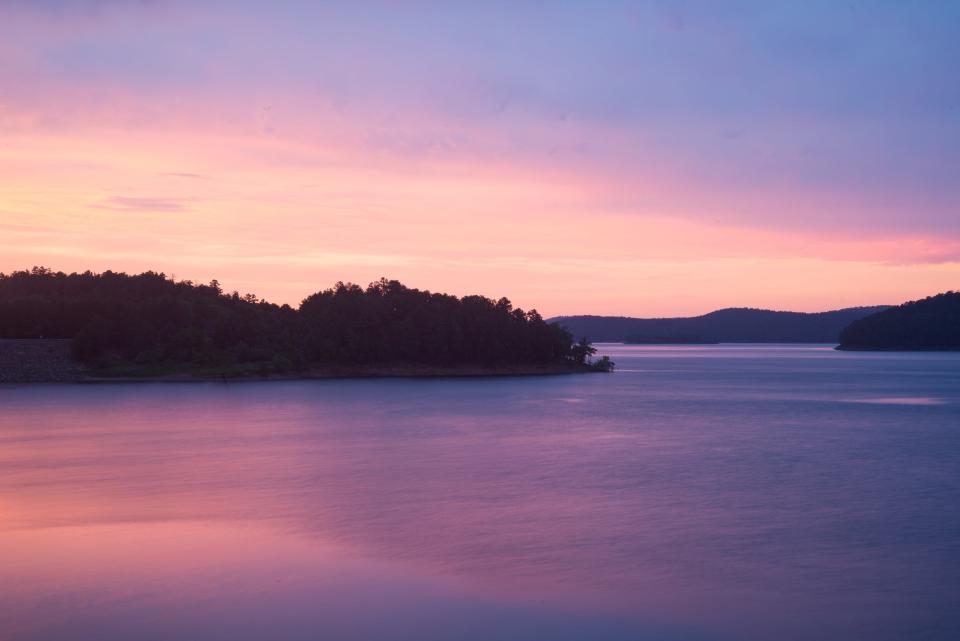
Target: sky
(647,158)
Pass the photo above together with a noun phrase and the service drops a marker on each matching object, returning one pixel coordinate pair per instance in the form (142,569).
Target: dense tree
(930,323)
(388,322)
(115,318)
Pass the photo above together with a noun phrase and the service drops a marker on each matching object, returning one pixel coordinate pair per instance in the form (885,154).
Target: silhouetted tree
(930,323)
(151,319)
(582,351)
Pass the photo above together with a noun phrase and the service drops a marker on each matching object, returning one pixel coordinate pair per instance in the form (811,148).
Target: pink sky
(542,156)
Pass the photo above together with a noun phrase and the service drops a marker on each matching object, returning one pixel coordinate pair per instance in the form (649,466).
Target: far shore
(854,348)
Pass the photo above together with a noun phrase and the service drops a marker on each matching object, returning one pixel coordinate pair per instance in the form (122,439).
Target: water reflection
(736,497)
(190,580)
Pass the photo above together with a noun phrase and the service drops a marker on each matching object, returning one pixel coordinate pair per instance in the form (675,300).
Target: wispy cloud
(141,204)
(511,146)
(182,174)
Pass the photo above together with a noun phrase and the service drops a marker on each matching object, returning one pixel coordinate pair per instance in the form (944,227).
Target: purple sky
(536,149)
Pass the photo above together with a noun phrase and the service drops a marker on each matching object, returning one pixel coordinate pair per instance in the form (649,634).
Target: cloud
(670,131)
(85,5)
(183,174)
(141,204)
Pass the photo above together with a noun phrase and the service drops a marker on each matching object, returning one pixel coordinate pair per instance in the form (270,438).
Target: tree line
(930,323)
(149,318)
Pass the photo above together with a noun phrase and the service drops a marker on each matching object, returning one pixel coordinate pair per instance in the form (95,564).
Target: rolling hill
(736,325)
(929,324)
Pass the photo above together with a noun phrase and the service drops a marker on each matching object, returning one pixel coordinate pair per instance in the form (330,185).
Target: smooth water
(708,492)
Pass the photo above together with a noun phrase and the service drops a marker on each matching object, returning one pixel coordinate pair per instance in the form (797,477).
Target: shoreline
(48,361)
(842,348)
(330,373)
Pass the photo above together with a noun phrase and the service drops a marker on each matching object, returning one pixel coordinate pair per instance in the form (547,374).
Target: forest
(149,320)
(932,323)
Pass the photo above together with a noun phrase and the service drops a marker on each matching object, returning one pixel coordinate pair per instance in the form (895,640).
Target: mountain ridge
(729,324)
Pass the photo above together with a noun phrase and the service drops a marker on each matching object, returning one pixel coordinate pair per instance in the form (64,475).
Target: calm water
(717,492)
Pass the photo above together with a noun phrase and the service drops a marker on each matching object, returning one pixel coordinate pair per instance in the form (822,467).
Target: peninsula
(93,326)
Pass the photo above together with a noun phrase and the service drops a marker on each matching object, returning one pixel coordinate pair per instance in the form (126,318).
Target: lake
(747,492)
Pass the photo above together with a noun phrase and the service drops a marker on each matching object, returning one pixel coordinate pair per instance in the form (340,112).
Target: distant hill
(931,323)
(734,325)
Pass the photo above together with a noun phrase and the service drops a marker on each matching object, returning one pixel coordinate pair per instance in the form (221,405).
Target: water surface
(701,492)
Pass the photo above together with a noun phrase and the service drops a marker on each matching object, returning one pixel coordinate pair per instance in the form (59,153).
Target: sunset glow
(638,158)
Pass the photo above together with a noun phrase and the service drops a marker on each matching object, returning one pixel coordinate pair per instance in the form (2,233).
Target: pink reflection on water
(167,579)
(900,400)
(138,514)
(471,504)
(190,580)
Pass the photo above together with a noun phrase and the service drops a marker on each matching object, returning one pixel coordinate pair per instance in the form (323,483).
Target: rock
(37,361)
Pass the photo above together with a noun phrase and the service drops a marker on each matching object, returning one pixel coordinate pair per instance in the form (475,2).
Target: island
(112,325)
(932,323)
